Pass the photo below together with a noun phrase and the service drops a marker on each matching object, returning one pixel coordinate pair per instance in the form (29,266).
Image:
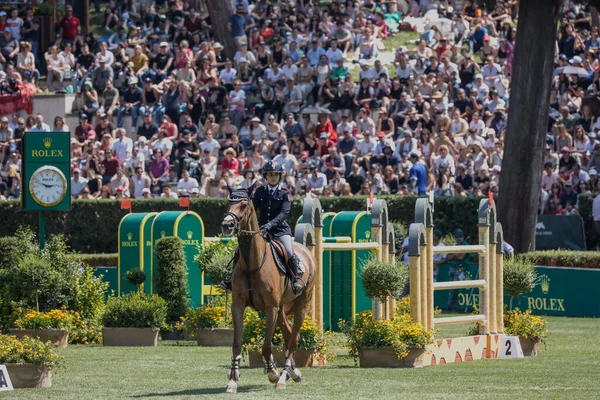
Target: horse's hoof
(273,376)
(231,387)
(296,375)
(281,386)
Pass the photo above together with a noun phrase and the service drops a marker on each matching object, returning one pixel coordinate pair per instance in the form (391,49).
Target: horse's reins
(239,231)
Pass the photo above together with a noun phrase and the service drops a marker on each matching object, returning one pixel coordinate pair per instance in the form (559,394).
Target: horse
(258,283)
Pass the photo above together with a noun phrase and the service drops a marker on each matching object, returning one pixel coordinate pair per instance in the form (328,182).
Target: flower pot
(255,359)
(529,346)
(302,358)
(26,376)
(173,334)
(130,336)
(215,337)
(386,357)
(58,337)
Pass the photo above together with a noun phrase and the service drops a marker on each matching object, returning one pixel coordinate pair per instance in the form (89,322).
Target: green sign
(187,226)
(555,232)
(46,171)
(569,292)
(135,249)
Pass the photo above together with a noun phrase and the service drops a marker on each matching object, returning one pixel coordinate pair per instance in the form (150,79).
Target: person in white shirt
(490,71)
(167,193)
(366,148)
(136,160)
(106,55)
(163,143)
(139,182)
(404,69)
(15,23)
(482,89)
(40,125)
(143,148)
(78,183)
(458,125)
(228,74)
(379,69)
(477,123)
(287,161)
(333,54)
(210,144)
(123,146)
(316,181)
(289,69)
(186,184)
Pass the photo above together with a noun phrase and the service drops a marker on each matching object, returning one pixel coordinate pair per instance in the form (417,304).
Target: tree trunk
(520,181)
(219,11)
(595,17)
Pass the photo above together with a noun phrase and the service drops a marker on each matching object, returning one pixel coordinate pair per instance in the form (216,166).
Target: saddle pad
(279,262)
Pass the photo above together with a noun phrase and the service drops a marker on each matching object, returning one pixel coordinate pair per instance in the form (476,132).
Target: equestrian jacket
(273,209)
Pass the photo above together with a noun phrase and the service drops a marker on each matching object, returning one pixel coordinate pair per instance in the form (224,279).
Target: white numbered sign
(510,347)
(5,383)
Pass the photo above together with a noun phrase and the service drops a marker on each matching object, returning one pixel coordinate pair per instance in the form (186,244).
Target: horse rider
(273,203)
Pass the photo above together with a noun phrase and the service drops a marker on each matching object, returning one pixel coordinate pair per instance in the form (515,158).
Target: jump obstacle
(490,284)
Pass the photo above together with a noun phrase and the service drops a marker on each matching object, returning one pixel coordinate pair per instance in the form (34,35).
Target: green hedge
(100,260)
(565,258)
(91,226)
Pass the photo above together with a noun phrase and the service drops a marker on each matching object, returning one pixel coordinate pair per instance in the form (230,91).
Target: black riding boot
(294,264)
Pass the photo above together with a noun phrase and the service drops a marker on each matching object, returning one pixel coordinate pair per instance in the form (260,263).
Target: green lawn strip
(567,368)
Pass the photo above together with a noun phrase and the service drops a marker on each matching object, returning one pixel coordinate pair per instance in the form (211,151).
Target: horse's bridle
(237,221)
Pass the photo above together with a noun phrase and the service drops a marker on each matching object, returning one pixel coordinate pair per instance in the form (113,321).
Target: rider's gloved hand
(266,227)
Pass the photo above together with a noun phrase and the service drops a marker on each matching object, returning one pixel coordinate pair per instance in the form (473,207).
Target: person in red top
(324,144)
(70,27)
(230,162)
(81,132)
(326,126)
(3,23)
(109,167)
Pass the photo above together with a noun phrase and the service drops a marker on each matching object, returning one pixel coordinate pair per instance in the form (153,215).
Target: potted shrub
(29,362)
(133,319)
(382,280)
(530,329)
(135,277)
(399,342)
(211,325)
(521,277)
(171,282)
(50,326)
(253,337)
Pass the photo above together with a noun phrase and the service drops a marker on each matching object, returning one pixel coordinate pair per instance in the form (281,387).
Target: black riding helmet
(272,166)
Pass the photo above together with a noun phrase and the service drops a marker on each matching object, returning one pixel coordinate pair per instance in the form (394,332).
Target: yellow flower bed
(519,323)
(31,319)
(204,317)
(27,351)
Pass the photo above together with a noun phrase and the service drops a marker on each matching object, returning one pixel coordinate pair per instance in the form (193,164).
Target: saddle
(280,256)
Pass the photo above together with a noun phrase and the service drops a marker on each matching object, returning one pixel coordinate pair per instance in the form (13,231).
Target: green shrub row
(91,226)
(100,260)
(565,258)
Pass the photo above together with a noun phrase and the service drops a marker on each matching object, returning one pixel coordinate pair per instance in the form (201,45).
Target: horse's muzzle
(228,226)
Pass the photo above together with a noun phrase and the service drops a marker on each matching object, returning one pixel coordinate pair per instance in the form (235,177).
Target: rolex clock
(47,186)
(46,171)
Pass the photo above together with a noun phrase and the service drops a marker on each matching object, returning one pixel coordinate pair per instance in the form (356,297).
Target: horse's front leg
(237,313)
(267,353)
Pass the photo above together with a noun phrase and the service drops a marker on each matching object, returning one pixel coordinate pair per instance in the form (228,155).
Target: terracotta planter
(215,337)
(26,376)
(302,358)
(529,346)
(58,337)
(386,358)
(130,336)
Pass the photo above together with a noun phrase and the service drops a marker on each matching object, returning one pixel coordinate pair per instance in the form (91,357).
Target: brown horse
(257,283)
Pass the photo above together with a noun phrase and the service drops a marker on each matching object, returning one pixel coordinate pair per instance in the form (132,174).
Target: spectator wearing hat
(566,161)
(230,162)
(82,130)
(151,100)
(101,75)
(288,161)
(132,100)
(162,63)
(78,183)
(569,195)
(387,157)
(418,174)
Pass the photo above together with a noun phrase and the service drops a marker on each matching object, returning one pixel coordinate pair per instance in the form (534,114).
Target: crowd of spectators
(324,89)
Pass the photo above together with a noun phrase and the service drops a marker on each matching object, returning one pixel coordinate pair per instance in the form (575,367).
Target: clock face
(48,186)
